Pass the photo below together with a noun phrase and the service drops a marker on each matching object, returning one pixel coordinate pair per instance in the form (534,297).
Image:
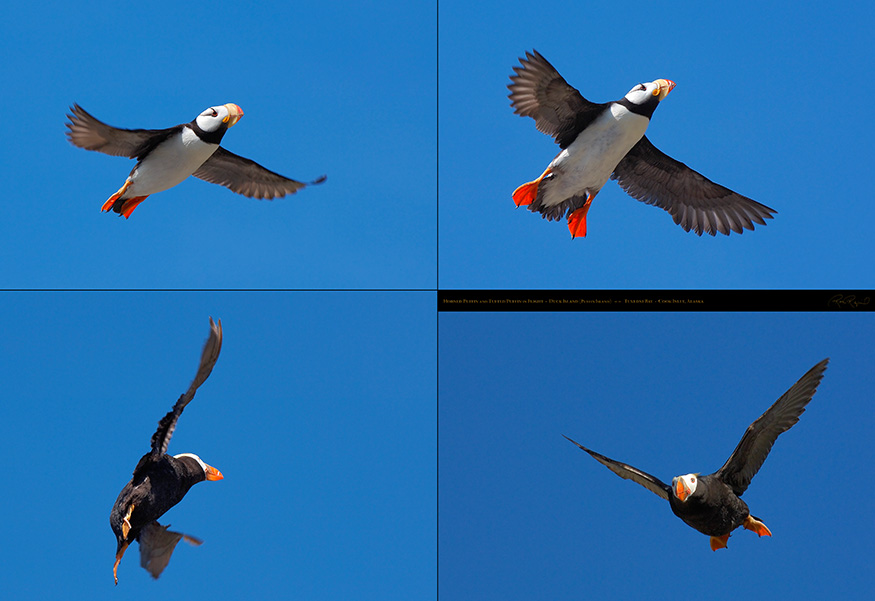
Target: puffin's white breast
(587,163)
(170,163)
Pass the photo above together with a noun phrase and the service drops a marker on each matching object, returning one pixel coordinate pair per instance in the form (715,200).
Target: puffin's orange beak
(213,473)
(664,87)
(234,114)
(681,490)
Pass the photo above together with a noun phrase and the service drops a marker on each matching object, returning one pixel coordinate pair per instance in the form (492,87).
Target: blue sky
(524,514)
(320,413)
(770,101)
(337,88)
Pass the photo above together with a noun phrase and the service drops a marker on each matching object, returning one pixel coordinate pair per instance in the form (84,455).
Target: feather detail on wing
(538,91)
(651,483)
(246,177)
(209,356)
(85,131)
(157,544)
(754,447)
(695,202)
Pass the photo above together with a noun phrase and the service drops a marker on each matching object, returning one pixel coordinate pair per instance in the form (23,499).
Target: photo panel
(335,89)
(319,413)
(524,513)
(748,113)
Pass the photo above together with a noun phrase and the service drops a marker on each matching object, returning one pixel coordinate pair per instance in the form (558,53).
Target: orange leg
(118,558)
(527,193)
(577,219)
(719,542)
(111,200)
(754,525)
(126,523)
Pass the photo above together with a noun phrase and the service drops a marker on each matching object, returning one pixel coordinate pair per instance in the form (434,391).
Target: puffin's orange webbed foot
(719,542)
(131,204)
(754,525)
(577,219)
(111,200)
(527,193)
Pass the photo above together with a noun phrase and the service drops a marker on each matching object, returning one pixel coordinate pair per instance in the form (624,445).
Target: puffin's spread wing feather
(651,483)
(754,447)
(89,133)
(247,177)
(157,544)
(167,425)
(539,92)
(695,202)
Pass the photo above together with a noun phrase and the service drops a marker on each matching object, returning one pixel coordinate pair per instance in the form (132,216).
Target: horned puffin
(165,157)
(160,481)
(711,504)
(601,141)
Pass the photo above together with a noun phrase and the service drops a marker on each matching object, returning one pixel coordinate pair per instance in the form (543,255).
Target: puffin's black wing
(539,92)
(157,544)
(628,472)
(695,202)
(89,133)
(751,452)
(247,177)
(167,425)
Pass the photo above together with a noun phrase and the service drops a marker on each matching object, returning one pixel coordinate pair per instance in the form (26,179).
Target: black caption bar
(655,300)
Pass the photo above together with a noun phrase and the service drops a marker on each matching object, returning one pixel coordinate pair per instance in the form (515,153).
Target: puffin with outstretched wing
(711,504)
(160,481)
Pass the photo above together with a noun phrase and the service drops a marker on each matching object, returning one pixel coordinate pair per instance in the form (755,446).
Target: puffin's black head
(212,124)
(197,467)
(645,97)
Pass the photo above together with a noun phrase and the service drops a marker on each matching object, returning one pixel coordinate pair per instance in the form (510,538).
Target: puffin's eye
(642,87)
(215,113)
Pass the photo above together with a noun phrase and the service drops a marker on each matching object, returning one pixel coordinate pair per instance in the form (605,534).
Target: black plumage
(160,481)
(88,132)
(711,504)
(245,176)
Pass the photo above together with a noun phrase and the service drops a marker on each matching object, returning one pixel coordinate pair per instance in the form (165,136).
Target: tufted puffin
(711,504)
(165,157)
(161,481)
(601,141)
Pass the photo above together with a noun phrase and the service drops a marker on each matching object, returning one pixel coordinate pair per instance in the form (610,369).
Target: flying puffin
(601,141)
(160,481)
(165,157)
(711,504)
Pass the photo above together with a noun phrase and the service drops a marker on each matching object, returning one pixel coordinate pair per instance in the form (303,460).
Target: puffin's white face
(644,91)
(216,116)
(210,472)
(684,486)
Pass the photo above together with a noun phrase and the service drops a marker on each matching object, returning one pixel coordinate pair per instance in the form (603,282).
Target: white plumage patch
(588,162)
(689,481)
(212,118)
(170,163)
(641,93)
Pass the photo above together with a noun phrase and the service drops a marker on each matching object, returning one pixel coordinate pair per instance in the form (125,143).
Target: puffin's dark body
(711,504)
(155,487)
(714,510)
(160,481)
